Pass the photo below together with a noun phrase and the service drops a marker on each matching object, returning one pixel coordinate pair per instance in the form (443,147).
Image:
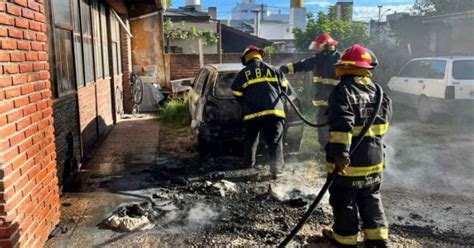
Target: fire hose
(331,176)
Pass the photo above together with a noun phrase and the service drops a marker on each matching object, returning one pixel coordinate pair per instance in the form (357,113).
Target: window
(62,12)
(87,41)
(64,61)
(115,43)
(78,53)
(201,81)
(410,69)
(223,83)
(435,69)
(463,70)
(105,42)
(63,66)
(97,40)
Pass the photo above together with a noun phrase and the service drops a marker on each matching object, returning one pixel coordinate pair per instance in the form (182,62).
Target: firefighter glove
(342,163)
(284,69)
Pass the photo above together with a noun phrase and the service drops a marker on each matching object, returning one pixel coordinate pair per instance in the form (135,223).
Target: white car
(436,85)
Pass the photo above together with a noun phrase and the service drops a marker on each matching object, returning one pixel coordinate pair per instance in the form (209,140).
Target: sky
(364,10)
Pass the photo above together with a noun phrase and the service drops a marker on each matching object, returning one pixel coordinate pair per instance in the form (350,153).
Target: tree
(345,32)
(441,7)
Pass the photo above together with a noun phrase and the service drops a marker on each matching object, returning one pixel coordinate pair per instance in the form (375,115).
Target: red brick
(7,130)
(4,56)
(2,6)
(31,131)
(41,37)
(43,56)
(36,46)
(33,77)
(30,110)
(47,113)
(42,105)
(46,94)
(32,56)
(8,44)
(19,79)
(44,75)
(14,116)
(23,3)
(3,32)
(29,35)
(5,81)
(15,33)
(6,19)
(13,10)
(33,151)
(28,13)
(34,6)
(40,86)
(24,45)
(21,23)
(11,69)
(40,17)
(12,92)
(14,140)
(35,97)
(23,124)
(39,66)
(35,26)
(26,68)
(21,102)
(17,57)
(6,106)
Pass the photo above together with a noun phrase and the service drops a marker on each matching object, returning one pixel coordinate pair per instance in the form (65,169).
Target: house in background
(193,17)
(235,41)
(64,80)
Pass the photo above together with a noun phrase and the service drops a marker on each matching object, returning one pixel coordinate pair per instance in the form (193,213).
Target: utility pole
(380,12)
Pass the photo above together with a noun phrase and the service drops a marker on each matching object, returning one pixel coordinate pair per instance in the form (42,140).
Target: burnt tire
(424,110)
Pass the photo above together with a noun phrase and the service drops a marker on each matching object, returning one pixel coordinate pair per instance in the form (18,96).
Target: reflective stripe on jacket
(351,105)
(258,87)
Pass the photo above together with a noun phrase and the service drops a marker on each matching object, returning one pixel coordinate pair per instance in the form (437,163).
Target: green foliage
(175,113)
(270,49)
(343,31)
(441,7)
(181,33)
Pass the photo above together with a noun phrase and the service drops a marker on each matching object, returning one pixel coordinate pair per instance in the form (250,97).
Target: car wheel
(424,109)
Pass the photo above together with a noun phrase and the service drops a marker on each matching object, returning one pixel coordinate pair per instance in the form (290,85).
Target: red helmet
(323,39)
(249,49)
(357,56)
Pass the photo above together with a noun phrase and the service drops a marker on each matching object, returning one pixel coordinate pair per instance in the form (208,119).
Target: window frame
(57,93)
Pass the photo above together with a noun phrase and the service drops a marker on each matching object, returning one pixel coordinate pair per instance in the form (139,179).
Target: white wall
(298,18)
(275,31)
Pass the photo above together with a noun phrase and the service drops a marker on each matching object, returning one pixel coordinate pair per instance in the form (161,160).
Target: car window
(410,69)
(463,70)
(435,69)
(223,83)
(200,81)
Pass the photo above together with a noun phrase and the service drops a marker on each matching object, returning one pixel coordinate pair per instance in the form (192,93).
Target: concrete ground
(99,190)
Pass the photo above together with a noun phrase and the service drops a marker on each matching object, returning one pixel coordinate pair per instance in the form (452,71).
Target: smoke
(201,214)
(430,158)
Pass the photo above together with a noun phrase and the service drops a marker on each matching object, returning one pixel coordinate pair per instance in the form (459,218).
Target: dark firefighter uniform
(324,77)
(356,189)
(257,87)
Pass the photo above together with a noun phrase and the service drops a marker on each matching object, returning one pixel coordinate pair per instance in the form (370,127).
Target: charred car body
(216,114)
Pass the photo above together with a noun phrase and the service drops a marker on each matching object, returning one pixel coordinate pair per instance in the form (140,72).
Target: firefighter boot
(339,241)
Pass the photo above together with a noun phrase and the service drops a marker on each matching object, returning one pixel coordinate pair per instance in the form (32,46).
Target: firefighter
(324,76)
(257,88)
(356,188)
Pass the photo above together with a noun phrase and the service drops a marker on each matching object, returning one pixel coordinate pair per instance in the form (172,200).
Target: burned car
(216,115)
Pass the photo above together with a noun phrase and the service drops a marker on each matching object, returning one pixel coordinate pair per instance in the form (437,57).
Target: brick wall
(29,193)
(187,65)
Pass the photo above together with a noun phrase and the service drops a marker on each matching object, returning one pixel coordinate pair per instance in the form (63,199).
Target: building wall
(123,90)
(147,46)
(275,31)
(29,192)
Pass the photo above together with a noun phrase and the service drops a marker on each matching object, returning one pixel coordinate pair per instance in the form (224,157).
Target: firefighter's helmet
(250,49)
(321,41)
(358,56)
